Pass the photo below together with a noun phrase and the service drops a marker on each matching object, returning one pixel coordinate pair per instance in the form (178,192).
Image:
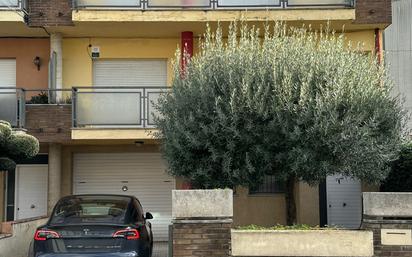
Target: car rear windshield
(88,209)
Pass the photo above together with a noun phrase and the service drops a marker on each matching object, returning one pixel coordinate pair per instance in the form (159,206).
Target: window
(90,210)
(270,185)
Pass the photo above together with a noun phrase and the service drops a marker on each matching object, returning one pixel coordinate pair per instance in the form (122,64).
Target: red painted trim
(378,45)
(186,48)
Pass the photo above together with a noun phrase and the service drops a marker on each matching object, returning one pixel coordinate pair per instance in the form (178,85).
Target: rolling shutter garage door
(142,173)
(130,73)
(7,73)
(8,103)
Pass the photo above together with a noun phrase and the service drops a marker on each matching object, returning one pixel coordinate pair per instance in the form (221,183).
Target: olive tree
(284,101)
(14,146)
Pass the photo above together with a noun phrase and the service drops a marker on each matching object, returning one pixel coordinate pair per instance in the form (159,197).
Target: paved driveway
(160,249)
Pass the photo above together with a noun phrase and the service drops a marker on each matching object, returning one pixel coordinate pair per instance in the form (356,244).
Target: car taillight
(44,234)
(129,234)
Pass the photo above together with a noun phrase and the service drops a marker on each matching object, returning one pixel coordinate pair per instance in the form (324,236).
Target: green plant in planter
(296,104)
(14,146)
(41,98)
(283,227)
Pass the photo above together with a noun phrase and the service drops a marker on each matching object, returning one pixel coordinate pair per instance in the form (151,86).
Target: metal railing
(115,107)
(13,4)
(13,102)
(92,107)
(12,106)
(210,4)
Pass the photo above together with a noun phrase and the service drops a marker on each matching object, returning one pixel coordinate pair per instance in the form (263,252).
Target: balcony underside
(213,15)
(122,134)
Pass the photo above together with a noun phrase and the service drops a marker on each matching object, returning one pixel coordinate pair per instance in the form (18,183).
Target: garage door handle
(32,206)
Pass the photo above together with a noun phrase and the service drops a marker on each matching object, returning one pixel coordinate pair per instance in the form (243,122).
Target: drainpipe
(56,59)
(186,48)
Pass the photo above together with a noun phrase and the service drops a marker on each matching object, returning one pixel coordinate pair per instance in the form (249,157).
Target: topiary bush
(14,146)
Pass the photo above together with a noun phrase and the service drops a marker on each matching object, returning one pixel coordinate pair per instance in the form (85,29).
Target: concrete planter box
(206,204)
(387,204)
(302,243)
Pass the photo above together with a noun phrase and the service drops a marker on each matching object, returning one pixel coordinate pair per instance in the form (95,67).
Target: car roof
(99,196)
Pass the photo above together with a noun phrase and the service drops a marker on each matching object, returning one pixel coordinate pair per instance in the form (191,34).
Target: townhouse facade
(81,75)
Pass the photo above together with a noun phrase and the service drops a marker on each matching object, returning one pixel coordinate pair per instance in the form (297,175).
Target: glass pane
(8,106)
(319,2)
(178,3)
(247,3)
(109,3)
(9,3)
(91,209)
(109,108)
(153,98)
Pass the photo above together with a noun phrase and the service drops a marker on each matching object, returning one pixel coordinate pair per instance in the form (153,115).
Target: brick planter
(202,221)
(49,123)
(202,238)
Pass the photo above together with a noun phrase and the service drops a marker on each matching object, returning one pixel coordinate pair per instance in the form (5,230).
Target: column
(56,57)
(54,185)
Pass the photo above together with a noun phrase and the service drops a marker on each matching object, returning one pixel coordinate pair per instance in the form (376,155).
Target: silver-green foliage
(15,145)
(291,103)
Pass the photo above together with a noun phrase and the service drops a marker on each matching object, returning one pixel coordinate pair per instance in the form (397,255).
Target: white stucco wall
(18,244)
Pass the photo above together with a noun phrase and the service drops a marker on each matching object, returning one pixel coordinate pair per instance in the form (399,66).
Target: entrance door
(344,201)
(31,191)
(139,174)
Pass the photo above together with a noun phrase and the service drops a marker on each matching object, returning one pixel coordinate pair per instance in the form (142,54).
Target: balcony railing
(13,4)
(12,106)
(209,4)
(124,107)
(92,107)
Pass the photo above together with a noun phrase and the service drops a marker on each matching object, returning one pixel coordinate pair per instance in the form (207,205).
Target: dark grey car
(95,226)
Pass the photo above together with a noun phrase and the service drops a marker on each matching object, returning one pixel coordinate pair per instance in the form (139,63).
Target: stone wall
(49,123)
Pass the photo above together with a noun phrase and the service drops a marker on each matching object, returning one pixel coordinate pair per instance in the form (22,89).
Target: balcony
(115,107)
(209,4)
(12,106)
(92,113)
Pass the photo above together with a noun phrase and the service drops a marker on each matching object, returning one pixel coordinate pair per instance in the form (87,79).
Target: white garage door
(141,174)
(344,199)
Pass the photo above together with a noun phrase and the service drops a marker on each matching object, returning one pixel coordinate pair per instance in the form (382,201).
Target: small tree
(14,146)
(294,103)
